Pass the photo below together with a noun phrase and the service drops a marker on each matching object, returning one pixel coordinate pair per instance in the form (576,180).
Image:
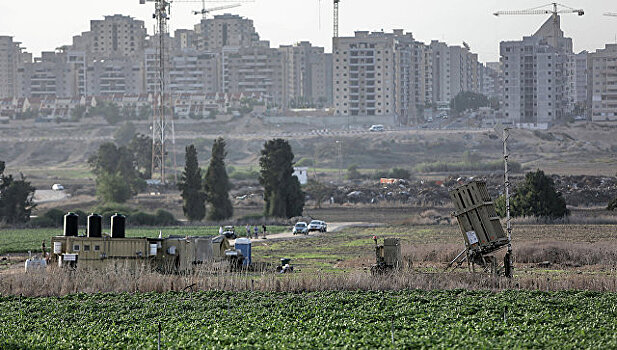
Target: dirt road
(332,227)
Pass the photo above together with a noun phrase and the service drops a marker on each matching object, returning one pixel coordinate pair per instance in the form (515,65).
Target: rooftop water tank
(71,224)
(118,226)
(95,225)
(244,246)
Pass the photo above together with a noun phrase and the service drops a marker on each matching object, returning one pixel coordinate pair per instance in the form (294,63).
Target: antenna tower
(162,123)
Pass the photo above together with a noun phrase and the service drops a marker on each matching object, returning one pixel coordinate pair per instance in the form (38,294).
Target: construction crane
(336,2)
(204,11)
(611,14)
(542,10)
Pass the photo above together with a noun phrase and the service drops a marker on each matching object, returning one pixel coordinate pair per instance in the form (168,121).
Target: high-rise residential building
(410,81)
(364,74)
(114,36)
(455,69)
(392,74)
(602,83)
(225,30)
(306,75)
(492,80)
(577,81)
(115,76)
(47,76)
(535,76)
(256,70)
(12,61)
(193,72)
(185,39)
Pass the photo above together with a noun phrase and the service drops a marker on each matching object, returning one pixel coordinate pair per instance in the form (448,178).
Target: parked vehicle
(376,127)
(57,187)
(300,228)
(229,232)
(317,225)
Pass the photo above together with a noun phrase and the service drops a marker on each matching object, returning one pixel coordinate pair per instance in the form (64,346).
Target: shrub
(305,162)
(612,205)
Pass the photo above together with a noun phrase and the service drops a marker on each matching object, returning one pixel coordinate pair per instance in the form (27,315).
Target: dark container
(95,225)
(118,226)
(71,224)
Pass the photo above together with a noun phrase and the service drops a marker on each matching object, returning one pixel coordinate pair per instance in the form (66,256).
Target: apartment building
(364,74)
(114,36)
(535,77)
(12,61)
(193,72)
(307,77)
(254,70)
(455,69)
(213,34)
(492,80)
(115,76)
(602,83)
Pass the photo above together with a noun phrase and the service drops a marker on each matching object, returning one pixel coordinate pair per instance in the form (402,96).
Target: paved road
(283,134)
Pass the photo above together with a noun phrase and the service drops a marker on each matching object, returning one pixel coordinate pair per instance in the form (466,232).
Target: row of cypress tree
(282,192)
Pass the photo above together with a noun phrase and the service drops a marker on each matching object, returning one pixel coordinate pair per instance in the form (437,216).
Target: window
(86,248)
(76,247)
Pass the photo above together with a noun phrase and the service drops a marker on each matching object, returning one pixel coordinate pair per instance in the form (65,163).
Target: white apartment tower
(602,83)
(12,60)
(536,77)
(225,30)
(364,74)
(115,36)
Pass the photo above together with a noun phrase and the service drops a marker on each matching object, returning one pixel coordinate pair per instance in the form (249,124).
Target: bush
(453,167)
(244,174)
(612,205)
(535,197)
(400,173)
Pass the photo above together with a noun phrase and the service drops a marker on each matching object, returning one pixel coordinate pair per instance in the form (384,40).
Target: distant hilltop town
(223,62)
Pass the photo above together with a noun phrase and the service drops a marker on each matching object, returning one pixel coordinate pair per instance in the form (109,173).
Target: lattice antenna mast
(160,123)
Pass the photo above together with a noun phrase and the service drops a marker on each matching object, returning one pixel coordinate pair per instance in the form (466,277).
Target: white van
(376,127)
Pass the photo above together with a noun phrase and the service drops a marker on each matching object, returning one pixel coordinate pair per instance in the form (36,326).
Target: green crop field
(364,320)
(23,240)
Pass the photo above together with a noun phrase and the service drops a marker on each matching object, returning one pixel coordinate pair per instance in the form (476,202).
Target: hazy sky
(44,25)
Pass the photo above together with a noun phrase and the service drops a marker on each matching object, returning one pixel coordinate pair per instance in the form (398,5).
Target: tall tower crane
(204,11)
(542,10)
(336,2)
(610,14)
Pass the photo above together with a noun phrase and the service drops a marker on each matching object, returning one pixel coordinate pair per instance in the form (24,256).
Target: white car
(57,187)
(376,127)
(317,225)
(300,228)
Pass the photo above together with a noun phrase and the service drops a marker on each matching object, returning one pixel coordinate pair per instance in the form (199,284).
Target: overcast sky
(45,25)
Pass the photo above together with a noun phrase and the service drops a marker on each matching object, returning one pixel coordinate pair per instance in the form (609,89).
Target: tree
(535,197)
(217,184)
(353,173)
(110,161)
(282,192)
(468,100)
(112,188)
(193,196)
(141,147)
(318,191)
(77,113)
(16,198)
(124,134)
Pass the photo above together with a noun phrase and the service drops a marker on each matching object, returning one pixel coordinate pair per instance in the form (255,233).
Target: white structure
(302,174)
(536,77)
(602,80)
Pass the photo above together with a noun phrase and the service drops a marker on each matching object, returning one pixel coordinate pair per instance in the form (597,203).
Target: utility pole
(339,151)
(506,181)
